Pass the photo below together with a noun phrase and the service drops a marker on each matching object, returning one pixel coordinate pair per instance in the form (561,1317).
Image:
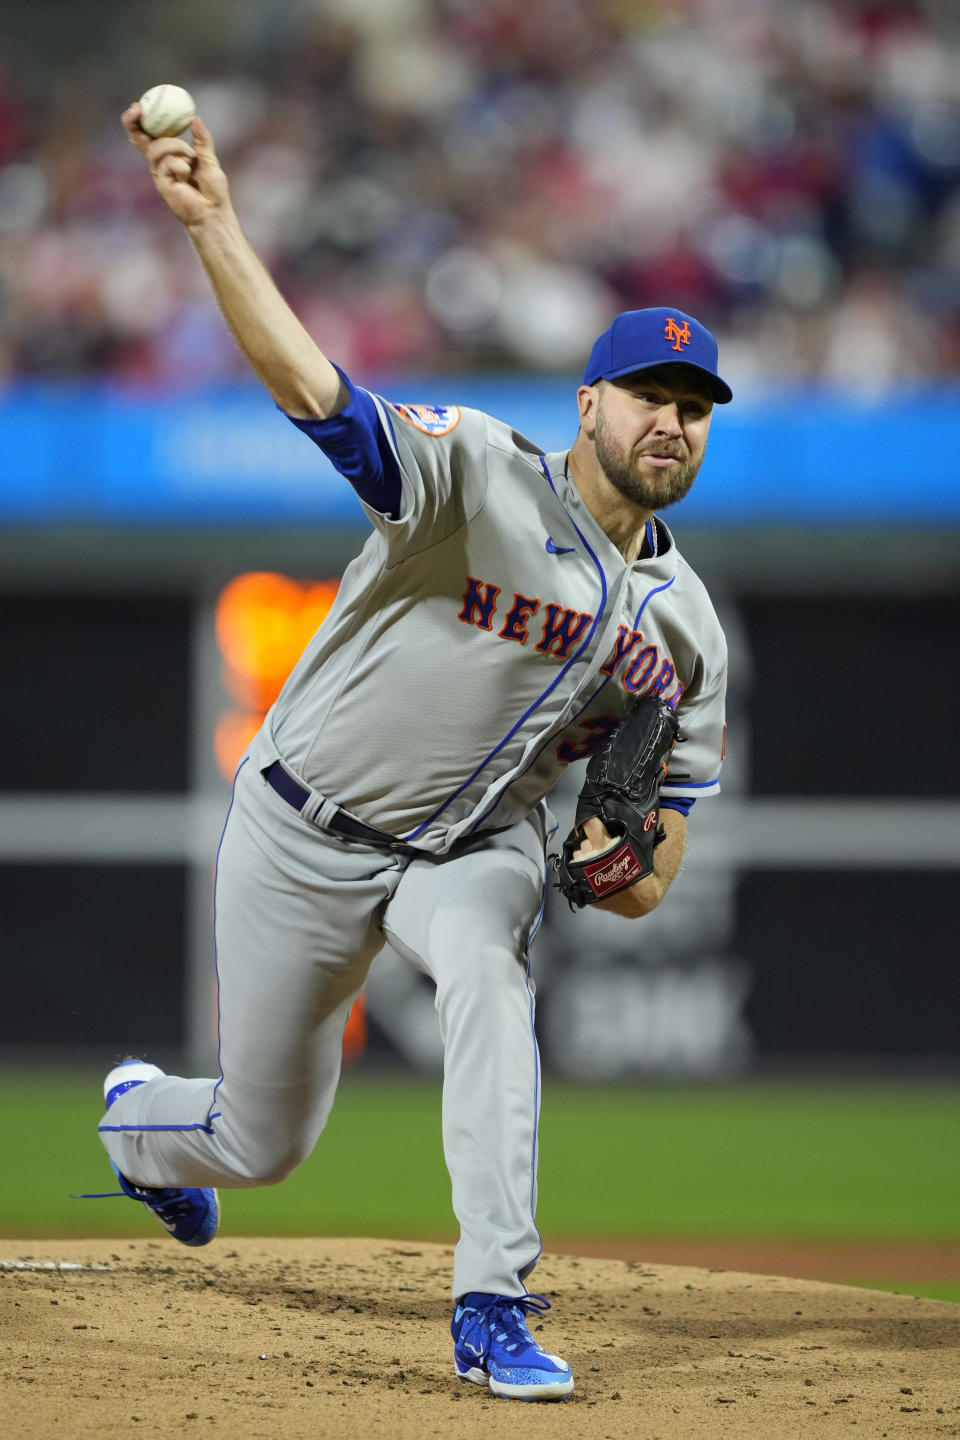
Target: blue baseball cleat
(492,1346)
(189,1215)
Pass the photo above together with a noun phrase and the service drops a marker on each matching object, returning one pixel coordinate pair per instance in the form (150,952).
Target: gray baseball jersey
(488,637)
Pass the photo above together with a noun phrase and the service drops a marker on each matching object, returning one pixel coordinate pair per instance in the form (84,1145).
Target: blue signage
(112,456)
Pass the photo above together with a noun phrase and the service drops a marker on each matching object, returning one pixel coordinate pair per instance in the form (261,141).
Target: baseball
(166,110)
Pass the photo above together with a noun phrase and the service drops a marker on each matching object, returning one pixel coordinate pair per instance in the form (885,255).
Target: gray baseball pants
(299,916)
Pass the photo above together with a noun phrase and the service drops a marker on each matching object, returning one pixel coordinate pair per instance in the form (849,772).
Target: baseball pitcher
(511,612)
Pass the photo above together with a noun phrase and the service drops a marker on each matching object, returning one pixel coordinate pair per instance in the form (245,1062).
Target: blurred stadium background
(456,198)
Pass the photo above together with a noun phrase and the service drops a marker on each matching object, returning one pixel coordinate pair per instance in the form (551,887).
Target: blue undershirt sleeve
(354,442)
(683,803)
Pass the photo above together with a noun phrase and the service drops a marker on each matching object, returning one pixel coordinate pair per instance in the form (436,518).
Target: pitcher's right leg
(297,924)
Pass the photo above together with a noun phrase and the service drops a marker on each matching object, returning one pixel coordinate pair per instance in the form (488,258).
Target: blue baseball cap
(641,339)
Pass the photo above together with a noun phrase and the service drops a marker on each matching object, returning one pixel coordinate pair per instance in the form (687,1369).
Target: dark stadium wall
(837,701)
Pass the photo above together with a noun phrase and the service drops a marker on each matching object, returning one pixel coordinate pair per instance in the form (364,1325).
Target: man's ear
(588,398)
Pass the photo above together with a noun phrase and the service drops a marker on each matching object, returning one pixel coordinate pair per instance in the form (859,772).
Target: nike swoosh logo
(558,549)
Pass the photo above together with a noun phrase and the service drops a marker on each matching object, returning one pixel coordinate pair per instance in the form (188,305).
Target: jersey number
(598,728)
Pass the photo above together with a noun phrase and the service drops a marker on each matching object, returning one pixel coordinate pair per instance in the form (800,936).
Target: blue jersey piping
(550,688)
(550,738)
(126,1129)
(212,1114)
(536,1061)
(216,957)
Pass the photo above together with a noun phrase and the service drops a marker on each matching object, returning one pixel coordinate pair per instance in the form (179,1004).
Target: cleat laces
(503,1319)
(167,1204)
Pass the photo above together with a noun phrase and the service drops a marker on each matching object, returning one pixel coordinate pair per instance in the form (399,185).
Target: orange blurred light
(263,621)
(355,1035)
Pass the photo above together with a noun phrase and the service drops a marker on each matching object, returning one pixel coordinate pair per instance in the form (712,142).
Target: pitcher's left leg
(467,923)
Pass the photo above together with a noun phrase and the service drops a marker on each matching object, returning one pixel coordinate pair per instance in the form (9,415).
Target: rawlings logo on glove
(622,789)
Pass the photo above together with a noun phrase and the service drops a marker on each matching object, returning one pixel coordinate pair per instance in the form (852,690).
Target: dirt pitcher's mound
(349,1338)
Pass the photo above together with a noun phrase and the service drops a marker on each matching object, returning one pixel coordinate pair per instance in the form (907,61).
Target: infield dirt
(316,1338)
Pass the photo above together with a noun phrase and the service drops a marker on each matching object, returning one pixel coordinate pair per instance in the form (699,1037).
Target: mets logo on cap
(431,419)
(677,334)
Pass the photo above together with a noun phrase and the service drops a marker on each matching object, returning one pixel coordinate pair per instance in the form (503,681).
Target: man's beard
(621,467)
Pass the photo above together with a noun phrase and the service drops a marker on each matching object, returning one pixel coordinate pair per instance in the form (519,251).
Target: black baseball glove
(622,789)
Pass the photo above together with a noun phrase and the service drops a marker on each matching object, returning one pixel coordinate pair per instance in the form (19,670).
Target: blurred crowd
(448,185)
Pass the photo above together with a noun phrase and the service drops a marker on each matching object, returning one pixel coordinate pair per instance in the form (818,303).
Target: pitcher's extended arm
(287,361)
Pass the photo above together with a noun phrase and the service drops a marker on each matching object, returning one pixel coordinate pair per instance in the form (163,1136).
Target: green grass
(930,1292)
(827,1162)
(848,1162)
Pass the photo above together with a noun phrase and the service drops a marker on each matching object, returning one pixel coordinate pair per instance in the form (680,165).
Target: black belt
(340,822)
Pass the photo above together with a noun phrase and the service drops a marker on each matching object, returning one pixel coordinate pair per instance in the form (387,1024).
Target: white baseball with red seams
(166,110)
